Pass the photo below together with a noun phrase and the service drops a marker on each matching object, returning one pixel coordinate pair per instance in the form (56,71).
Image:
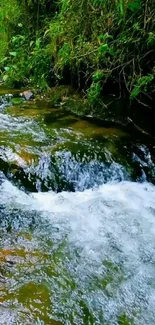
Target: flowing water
(77,220)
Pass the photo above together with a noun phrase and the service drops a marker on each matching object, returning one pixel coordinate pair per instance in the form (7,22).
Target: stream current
(77,220)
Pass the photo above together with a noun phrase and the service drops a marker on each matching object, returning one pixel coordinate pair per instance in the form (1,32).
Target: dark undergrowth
(98,46)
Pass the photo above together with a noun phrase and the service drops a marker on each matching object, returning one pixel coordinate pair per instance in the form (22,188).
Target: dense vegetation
(97,46)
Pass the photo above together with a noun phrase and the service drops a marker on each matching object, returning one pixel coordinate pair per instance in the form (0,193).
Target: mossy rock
(65,97)
(58,94)
(78,106)
(16,100)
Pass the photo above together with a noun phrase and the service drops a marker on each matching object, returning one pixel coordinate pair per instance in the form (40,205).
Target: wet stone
(27,94)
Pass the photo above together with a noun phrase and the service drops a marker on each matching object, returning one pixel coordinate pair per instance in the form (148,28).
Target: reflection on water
(77,233)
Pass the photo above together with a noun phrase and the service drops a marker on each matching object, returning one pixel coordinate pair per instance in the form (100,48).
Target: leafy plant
(92,43)
(134,5)
(141,85)
(94,93)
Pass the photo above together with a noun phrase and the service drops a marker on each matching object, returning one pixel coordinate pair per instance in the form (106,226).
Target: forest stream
(77,219)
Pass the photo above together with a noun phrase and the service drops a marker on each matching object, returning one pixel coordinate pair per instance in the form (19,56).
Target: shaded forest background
(97,46)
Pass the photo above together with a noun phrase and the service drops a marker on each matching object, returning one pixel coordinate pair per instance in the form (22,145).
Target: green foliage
(151,38)
(94,41)
(134,5)
(114,38)
(97,76)
(24,56)
(64,54)
(27,62)
(141,85)
(124,320)
(9,13)
(94,93)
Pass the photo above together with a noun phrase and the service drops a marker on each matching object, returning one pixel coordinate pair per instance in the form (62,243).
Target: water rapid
(77,221)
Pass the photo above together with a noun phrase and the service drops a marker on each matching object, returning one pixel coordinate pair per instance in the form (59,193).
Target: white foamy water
(114,223)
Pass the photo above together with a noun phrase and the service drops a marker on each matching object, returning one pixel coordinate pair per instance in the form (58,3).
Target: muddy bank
(111,111)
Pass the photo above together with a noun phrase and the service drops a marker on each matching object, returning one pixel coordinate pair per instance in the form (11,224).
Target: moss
(64,97)
(113,274)
(124,320)
(58,94)
(78,106)
(16,100)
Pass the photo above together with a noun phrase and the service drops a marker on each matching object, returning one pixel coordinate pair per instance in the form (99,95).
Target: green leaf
(31,43)
(5,77)
(13,53)
(4,59)
(101,37)
(121,7)
(105,36)
(103,48)
(97,76)
(135,5)
(6,68)
(37,43)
